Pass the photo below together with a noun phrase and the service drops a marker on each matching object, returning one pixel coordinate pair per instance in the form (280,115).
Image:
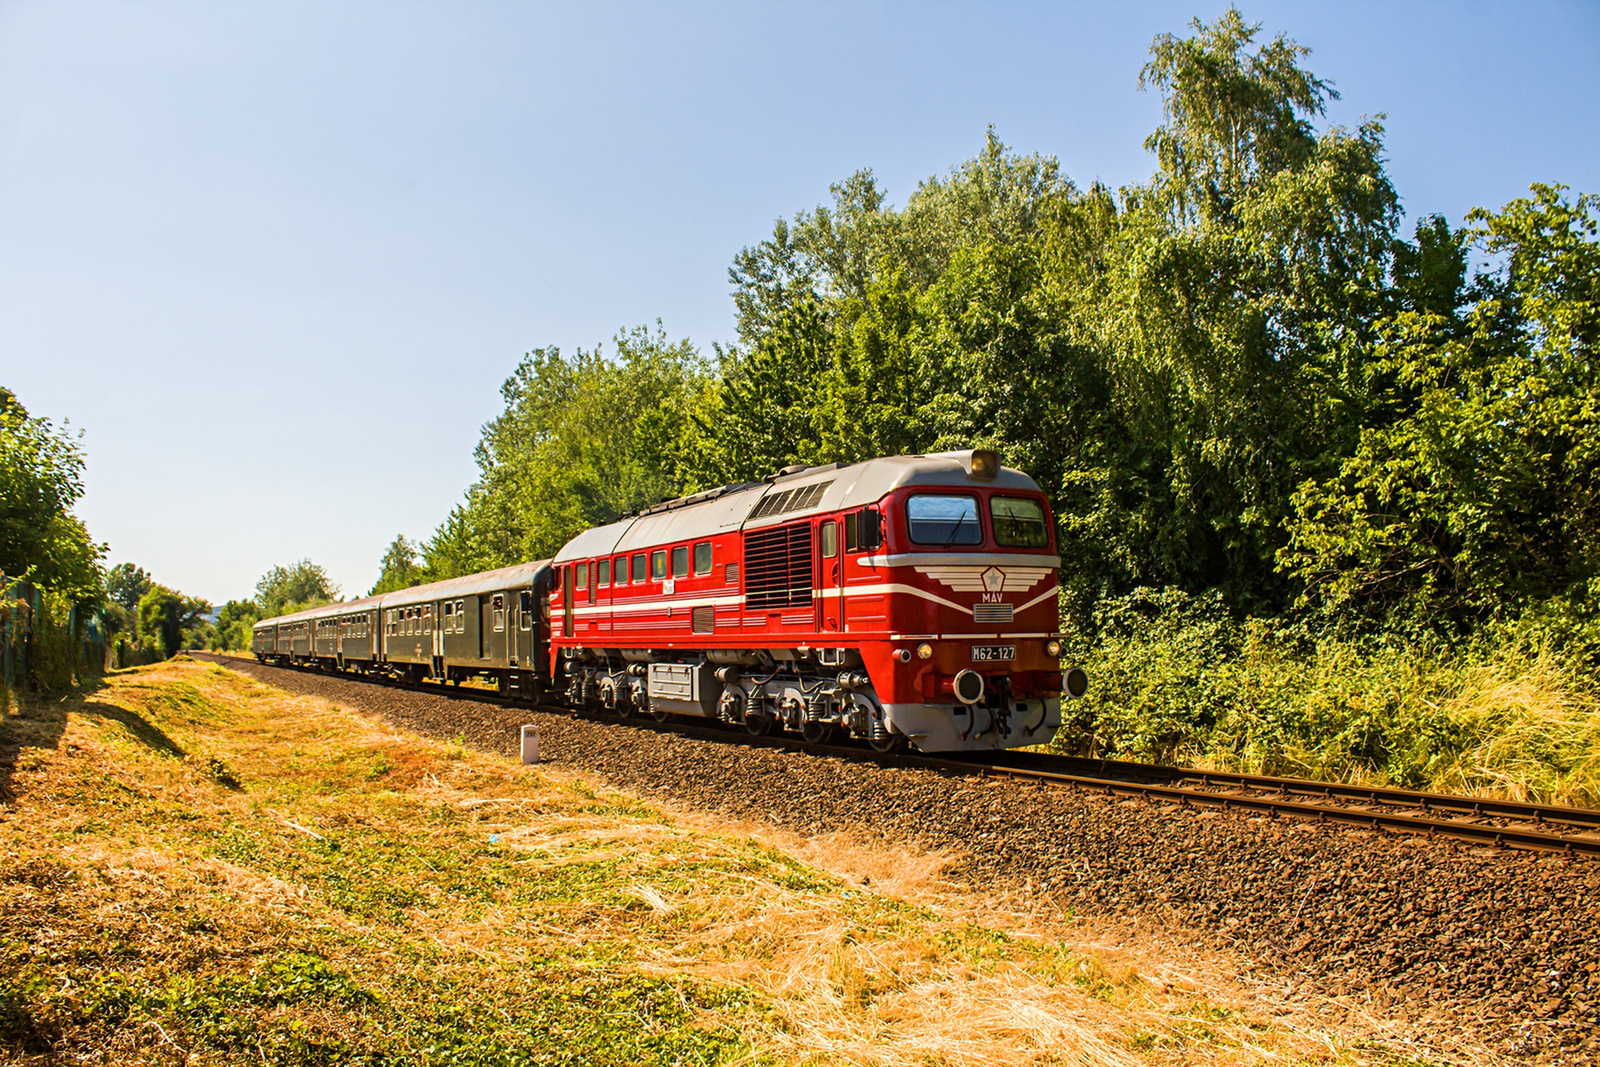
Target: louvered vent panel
(703,620)
(991,613)
(790,500)
(777,567)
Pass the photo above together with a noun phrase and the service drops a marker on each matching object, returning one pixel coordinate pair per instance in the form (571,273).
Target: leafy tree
(293,588)
(583,440)
(41,478)
(399,569)
(127,584)
(164,616)
(235,622)
(1471,491)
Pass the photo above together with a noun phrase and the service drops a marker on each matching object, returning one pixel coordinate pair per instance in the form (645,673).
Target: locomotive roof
(786,497)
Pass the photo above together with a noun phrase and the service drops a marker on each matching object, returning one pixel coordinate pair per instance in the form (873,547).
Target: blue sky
(275,259)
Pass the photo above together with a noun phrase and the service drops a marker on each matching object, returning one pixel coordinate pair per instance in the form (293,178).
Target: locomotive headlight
(1052,649)
(924,651)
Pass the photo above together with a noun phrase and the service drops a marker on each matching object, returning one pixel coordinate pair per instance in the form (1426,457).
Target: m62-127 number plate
(993,653)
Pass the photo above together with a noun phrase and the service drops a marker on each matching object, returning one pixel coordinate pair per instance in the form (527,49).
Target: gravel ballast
(1497,945)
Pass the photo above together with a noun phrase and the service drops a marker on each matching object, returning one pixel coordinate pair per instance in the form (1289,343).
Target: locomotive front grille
(995,613)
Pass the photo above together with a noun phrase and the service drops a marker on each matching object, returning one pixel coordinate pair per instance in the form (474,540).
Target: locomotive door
(830,579)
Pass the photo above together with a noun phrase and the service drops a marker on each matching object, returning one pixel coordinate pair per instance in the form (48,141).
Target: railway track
(1485,821)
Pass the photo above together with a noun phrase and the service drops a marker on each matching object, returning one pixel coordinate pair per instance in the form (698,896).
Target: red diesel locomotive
(909,599)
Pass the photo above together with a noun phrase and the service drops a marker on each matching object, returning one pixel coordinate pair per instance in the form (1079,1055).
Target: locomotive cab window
(680,561)
(639,574)
(1018,522)
(944,519)
(658,565)
(830,539)
(702,558)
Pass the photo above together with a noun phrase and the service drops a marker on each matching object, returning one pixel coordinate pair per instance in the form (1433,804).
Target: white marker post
(530,743)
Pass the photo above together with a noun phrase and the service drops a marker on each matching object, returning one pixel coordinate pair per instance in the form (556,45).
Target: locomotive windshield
(1018,522)
(944,519)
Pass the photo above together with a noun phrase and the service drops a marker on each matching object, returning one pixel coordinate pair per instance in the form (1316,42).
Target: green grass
(195,868)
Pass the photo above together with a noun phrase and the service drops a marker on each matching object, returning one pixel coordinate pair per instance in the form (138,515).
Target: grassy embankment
(1514,712)
(198,868)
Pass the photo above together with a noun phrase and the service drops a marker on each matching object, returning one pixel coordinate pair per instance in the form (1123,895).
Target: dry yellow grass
(195,867)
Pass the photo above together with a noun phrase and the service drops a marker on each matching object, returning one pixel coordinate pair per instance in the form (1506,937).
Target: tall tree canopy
(298,586)
(399,568)
(41,479)
(1237,376)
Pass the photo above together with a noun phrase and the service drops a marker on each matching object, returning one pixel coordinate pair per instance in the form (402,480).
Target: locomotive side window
(1018,522)
(638,568)
(603,578)
(851,542)
(581,575)
(702,558)
(622,570)
(830,539)
(944,519)
(680,561)
(658,564)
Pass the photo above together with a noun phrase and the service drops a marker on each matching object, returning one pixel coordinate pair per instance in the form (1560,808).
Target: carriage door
(830,579)
(438,630)
(567,594)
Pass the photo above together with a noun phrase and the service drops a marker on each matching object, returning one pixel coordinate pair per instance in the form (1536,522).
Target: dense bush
(1176,678)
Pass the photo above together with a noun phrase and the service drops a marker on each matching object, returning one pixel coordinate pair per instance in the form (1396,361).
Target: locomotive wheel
(889,742)
(757,724)
(659,716)
(816,732)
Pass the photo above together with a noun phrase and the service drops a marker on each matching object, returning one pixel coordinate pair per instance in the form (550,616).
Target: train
(901,602)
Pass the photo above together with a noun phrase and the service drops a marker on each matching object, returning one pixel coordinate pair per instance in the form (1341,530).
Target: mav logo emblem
(990,581)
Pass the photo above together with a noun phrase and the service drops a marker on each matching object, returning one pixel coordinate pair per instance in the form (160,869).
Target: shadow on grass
(39,722)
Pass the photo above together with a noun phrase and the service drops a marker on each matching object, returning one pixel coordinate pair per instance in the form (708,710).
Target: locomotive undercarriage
(818,696)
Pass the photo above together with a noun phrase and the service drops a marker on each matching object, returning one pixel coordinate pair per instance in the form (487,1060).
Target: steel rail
(1480,807)
(965,766)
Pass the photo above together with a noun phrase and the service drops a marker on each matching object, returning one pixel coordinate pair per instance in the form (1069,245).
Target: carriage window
(680,561)
(702,558)
(944,519)
(427,619)
(639,574)
(622,570)
(581,575)
(461,617)
(830,539)
(1018,522)
(498,607)
(658,564)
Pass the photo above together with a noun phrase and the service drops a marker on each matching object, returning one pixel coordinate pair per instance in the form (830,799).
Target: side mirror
(870,529)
